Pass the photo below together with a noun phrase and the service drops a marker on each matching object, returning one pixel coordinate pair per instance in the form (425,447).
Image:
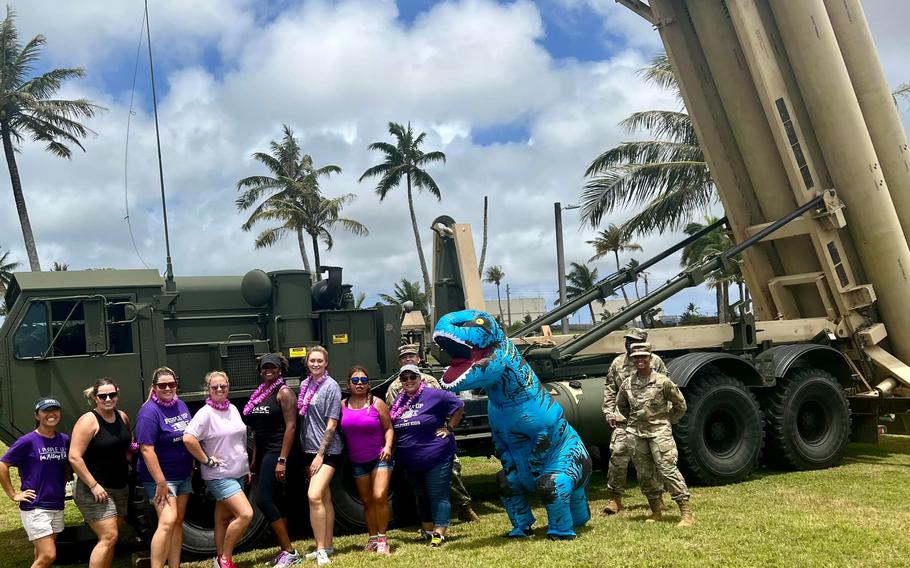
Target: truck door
(60,346)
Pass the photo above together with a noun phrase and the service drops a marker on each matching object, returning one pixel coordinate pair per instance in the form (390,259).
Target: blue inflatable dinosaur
(540,452)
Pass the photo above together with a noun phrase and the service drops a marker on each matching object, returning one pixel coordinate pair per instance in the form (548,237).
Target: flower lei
(306,395)
(262,392)
(223,405)
(404,400)
(164,403)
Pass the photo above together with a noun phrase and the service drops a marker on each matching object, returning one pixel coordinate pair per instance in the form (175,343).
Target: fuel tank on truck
(821,74)
(582,402)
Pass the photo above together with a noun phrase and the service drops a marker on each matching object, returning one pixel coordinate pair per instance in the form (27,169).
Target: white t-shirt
(222,435)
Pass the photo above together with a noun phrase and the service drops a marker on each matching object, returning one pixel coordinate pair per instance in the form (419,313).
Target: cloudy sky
(520,96)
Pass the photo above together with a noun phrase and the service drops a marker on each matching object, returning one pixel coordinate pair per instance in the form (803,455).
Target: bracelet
(450,428)
(94,485)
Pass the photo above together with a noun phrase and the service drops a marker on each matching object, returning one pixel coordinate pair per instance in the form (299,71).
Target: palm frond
(665,124)
(645,151)
(672,210)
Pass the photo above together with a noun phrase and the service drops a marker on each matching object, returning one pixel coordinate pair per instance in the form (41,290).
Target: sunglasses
(218,387)
(167,386)
(409,377)
(107,395)
(360,380)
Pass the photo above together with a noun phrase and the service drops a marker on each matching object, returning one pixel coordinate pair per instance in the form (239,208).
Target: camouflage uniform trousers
(655,460)
(460,495)
(620,454)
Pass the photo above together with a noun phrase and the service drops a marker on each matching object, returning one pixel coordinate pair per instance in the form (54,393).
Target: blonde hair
(212,374)
(91,392)
(319,349)
(162,371)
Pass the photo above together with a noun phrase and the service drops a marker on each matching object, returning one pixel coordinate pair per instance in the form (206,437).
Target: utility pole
(561,260)
(508,306)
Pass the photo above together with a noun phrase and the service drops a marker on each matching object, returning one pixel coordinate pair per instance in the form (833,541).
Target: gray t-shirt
(325,404)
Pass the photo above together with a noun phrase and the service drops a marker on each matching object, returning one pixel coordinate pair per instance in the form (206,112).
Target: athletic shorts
(333,460)
(222,489)
(174,488)
(39,523)
(366,468)
(92,511)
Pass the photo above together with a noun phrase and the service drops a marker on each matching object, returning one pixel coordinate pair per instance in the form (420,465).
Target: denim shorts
(366,468)
(174,488)
(222,489)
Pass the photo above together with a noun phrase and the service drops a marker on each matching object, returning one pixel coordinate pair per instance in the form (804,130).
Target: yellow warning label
(340,338)
(295,352)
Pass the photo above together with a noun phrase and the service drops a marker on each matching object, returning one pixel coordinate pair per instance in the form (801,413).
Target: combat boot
(466,514)
(614,505)
(686,519)
(657,507)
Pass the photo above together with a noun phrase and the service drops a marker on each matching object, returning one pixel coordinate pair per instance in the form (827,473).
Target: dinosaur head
(470,337)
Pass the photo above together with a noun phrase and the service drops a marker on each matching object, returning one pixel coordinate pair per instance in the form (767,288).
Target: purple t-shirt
(42,468)
(163,427)
(416,445)
(222,434)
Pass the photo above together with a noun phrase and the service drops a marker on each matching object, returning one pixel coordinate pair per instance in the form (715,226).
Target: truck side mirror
(96,336)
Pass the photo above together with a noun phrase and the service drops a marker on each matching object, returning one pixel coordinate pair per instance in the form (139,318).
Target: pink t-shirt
(222,435)
(363,433)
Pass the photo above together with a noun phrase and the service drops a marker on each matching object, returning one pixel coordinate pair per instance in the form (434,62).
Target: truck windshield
(65,324)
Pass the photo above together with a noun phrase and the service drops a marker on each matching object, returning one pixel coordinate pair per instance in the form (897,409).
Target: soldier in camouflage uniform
(409,355)
(621,369)
(651,402)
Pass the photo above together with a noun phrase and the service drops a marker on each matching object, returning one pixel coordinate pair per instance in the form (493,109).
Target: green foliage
(709,246)
(404,291)
(7,266)
(580,278)
(495,275)
(665,176)
(31,109)
(60,267)
(405,160)
(612,240)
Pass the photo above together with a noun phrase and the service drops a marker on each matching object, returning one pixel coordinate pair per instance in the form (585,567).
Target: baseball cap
(412,368)
(641,350)
(45,403)
(636,333)
(409,349)
(270,358)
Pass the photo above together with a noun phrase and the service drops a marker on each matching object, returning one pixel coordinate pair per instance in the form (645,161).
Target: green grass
(853,515)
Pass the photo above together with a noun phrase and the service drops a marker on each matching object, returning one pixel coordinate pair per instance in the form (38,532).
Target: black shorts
(333,460)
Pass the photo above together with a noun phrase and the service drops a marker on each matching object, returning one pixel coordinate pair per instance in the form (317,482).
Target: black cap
(271,358)
(45,403)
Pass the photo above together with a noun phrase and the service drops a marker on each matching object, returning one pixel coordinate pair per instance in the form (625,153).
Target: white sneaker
(322,558)
(314,555)
(288,559)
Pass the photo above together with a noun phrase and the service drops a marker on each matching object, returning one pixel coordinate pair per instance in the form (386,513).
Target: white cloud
(337,72)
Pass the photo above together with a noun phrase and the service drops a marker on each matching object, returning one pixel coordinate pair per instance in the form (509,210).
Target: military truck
(66,329)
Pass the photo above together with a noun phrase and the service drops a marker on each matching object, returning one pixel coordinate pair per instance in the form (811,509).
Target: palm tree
(631,266)
(28,108)
(483,248)
(495,275)
(709,245)
(7,267)
(612,239)
(60,267)
(292,174)
(405,291)
(666,176)
(579,280)
(406,159)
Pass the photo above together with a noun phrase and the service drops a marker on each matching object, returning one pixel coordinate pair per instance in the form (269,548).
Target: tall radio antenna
(169,284)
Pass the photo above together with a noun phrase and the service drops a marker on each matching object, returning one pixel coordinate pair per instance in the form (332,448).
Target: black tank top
(105,455)
(267,422)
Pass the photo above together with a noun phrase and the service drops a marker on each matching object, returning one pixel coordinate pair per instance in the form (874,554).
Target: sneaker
(371,544)
(221,562)
(322,558)
(437,540)
(273,560)
(314,555)
(424,536)
(382,547)
(288,559)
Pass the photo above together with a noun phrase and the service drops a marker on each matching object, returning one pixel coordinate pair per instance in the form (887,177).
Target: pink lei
(306,394)
(223,405)
(261,393)
(404,401)
(164,403)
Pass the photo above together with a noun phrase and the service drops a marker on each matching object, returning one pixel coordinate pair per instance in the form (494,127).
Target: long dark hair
(359,369)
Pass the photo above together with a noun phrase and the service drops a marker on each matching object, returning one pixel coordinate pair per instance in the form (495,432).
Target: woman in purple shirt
(216,437)
(165,467)
(41,456)
(424,420)
(368,436)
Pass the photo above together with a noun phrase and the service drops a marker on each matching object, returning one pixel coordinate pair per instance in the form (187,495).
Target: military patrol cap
(636,333)
(641,350)
(409,349)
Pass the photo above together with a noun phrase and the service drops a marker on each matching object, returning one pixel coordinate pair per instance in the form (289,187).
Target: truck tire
(720,438)
(349,507)
(198,532)
(808,419)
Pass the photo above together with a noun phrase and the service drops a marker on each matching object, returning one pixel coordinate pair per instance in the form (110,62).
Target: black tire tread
(706,382)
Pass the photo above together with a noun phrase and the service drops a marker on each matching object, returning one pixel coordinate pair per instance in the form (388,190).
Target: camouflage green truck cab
(64,330)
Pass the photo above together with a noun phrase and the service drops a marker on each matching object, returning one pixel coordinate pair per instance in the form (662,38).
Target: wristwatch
(282,460)
(210,462)
(450,428)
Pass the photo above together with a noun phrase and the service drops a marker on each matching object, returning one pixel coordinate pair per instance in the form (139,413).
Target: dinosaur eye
(479,321)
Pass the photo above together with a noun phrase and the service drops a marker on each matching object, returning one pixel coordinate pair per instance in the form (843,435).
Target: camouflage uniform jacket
(395,388)
(650,405)
(623,368)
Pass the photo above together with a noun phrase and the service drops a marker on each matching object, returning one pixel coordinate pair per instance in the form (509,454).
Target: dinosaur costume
(539,450)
